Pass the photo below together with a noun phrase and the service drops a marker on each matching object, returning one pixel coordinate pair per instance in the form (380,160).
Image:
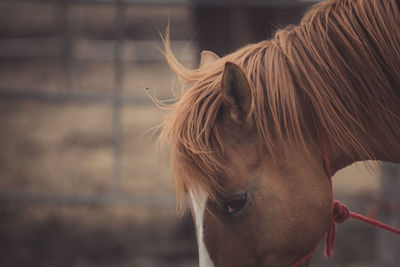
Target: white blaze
(198,210)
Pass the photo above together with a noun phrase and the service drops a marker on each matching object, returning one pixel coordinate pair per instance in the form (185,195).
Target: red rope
(375,223)
(305,257)
(340,214)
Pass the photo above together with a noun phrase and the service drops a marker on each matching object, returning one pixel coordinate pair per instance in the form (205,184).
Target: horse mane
(338,70)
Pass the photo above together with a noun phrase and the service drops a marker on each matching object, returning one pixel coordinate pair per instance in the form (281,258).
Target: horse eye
(235,205)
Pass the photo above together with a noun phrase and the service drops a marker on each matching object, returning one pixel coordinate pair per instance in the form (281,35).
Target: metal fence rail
(62,96)
(185,2)
(142,200)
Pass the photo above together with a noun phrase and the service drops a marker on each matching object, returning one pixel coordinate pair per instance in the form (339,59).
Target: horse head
(272,210)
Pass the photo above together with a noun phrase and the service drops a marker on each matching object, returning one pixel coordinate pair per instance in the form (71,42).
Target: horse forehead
(242,157)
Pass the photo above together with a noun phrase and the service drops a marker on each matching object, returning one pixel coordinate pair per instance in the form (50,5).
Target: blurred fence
(63,46)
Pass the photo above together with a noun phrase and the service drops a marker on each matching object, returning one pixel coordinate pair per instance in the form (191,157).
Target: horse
(250,134)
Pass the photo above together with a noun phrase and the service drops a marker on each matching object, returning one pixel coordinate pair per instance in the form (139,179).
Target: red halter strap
(340,214)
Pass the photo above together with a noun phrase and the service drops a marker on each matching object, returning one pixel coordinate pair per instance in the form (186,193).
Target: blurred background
(80,181)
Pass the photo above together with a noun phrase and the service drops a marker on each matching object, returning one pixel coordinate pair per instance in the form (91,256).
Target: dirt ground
(66,148)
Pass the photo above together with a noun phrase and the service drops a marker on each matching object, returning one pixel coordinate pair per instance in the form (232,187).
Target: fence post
(117,94)
(66,21)
(388,244)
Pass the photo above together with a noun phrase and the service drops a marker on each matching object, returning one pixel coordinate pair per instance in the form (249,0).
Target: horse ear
(207,57)
(236,94)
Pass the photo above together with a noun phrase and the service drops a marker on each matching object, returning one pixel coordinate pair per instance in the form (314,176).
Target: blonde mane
(339,70)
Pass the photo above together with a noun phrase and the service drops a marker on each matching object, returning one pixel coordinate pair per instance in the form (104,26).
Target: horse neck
(380,148)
